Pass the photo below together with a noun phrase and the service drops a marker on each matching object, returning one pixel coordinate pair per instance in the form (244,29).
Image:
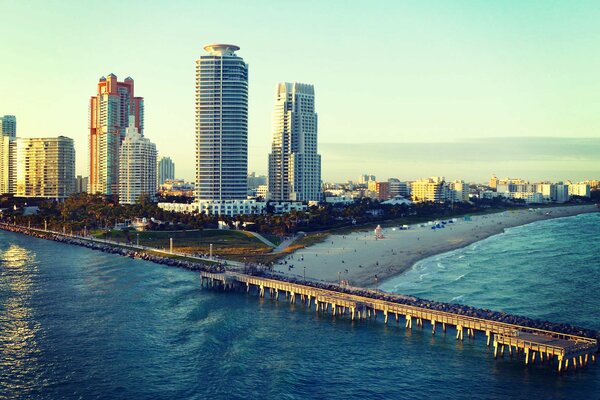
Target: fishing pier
(544,346)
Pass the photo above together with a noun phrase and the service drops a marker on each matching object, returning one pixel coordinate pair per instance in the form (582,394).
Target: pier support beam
(385,314)
(459,332)
(526,355)
(560,363)
(489,336)
(408,321)
(433,326)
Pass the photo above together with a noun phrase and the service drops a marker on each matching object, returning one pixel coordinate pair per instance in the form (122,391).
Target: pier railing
(548,344)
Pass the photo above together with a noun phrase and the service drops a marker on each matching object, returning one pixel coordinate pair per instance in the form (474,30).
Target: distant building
(457,191)
(529,197)
(553,192)
(379,190)
(339,199)
(294,164)
(177,187)
(429,189)
(166,170)
(579,189)
(399,188)
(81,184)
(7,164)
(365,179)
(254,181)
(8,126)
(594,184)
(45,167)
(494,182)
(109,116)
(137,166)
(262,191)
(562,193)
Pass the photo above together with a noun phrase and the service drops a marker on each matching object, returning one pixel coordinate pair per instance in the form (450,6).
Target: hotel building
(109,116)
(137,166)
(166,170)
(45,167)
(430,189)
(294,165)
(8,126)
(221,125)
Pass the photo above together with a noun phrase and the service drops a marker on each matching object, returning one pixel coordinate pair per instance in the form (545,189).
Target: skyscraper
(166,170)
(137,166)
(109,118)
(8,133)
(221,124)
(294,165)
(8,126)
(45,167)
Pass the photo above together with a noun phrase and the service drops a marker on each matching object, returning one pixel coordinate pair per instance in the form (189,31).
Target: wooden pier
(567,351)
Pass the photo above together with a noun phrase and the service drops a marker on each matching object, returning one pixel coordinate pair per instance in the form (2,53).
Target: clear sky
(411,76)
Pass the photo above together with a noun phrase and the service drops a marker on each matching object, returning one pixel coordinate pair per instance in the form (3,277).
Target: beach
(361,259)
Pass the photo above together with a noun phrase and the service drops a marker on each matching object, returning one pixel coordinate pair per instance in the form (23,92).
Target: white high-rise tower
(221,125)
(294,165)
(137,166)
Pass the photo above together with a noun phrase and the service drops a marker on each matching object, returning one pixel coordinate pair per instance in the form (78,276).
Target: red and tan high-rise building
(109,118)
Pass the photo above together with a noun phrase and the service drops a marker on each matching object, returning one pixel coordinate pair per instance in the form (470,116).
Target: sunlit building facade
(430,189)
(166,170)
(221,125)
(137,167)
(8,126)
(294,165)
(45,167)
(110,110)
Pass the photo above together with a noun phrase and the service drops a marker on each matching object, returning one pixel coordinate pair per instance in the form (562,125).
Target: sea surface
(76,323)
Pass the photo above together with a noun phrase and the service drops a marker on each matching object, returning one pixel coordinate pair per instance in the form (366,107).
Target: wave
(459,278)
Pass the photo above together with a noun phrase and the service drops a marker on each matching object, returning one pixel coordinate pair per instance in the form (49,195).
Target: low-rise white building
(529,197)
(232,208)
(339,199)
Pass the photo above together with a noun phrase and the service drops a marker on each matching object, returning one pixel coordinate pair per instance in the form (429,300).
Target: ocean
(76,323)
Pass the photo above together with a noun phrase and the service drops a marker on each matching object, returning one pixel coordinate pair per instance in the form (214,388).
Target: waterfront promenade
(517,338)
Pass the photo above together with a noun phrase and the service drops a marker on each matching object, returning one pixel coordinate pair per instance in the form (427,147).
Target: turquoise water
(76,323)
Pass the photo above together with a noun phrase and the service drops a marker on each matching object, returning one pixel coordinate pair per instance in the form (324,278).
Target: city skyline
(459,78)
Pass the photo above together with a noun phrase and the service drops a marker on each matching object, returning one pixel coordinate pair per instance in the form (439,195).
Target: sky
(403,89)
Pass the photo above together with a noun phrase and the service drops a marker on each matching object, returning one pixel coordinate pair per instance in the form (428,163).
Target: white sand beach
(363,260)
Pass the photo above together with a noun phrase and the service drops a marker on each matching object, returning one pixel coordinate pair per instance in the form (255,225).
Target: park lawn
(225,242)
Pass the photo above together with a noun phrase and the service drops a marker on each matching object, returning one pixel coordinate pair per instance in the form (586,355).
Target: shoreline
(362,260)
(112,248)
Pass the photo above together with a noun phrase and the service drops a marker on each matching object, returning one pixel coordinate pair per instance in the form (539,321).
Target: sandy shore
(364,261)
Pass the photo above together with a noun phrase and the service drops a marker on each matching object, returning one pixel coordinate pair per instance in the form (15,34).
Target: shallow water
(76,323)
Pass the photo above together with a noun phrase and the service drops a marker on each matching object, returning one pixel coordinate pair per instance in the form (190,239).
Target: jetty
(548,346)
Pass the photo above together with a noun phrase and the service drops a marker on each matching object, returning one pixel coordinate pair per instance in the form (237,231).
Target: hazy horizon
(387,75)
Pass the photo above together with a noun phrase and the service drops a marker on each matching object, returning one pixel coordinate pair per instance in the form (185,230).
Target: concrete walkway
(285,244)
(262,239)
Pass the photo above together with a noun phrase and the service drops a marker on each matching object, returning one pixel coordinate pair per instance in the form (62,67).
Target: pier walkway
(565,350)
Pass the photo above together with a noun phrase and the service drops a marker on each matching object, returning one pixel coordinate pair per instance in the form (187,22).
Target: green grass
(276,240)
(224,242)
